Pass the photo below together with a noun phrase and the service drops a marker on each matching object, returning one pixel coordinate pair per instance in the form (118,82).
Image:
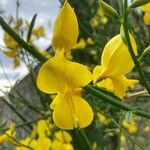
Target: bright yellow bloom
(65,32)
(41,143)
(6,137)
(115,62)
(58,75)
(56,145)
(146,17)
(63,136)
(132,128)
(43,128)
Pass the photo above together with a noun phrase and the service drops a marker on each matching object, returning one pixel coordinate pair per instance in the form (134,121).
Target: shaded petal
(96,73)
(56,101)
(59,75)
(72,111)
(65,32)
(118,85)
(116,59)
(121,85)
(107,84)
(146,18)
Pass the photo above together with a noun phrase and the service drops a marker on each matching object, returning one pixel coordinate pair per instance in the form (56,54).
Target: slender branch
(28,122)
(16,112)
(115,101)
(86,138)
(130,48)
(30,48)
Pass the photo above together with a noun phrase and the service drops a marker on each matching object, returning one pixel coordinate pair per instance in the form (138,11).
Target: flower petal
(121,85)
(96,73)
(72,111)
(146,18)
(65,32)
(59,75)
(116,59)
(146,7)
(106,83)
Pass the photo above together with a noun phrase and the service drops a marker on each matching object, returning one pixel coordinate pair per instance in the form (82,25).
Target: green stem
(130,48)
(86,139)
(30,48)
(115,101)
(28,122)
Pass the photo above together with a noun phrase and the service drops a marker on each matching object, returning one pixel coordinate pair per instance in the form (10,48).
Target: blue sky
(47,11)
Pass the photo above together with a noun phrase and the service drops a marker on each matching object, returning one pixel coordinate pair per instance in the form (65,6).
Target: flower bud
(109,11)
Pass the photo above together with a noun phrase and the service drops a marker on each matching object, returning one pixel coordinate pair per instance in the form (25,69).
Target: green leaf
(31,27)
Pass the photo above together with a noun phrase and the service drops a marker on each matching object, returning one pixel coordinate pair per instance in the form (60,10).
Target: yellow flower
(39,32)
(43,128)
(80,45)
(6,137)
(10,42)
(58,75)
(56,145)
(63,136)
(146,17)
(65,32)
(13,49)
(132,128)
(115,62)
(103,118)
(41,143)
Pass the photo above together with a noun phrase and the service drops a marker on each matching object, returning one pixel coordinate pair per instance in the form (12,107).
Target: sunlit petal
(72,112)
(58,74)
(107,84)
(121,85)
(146,18)
(116,59)
(65,32)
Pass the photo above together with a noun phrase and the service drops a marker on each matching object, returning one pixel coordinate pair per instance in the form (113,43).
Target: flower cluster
(45,136)
(66,78)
